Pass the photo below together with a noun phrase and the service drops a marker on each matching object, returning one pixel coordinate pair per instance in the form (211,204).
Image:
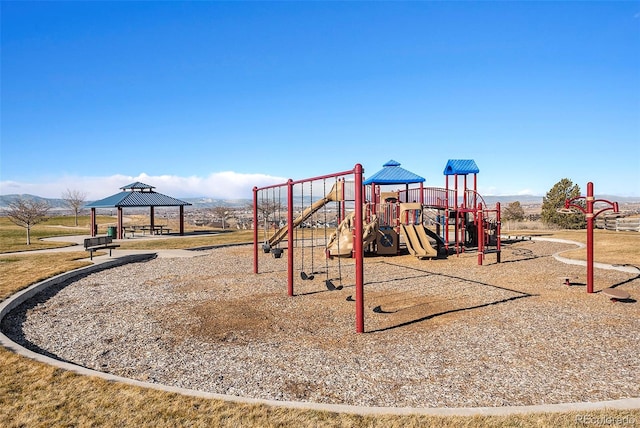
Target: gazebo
(392,173)
(136,195)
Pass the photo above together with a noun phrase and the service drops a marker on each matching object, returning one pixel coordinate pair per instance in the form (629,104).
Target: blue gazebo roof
(138,195)
(392,173)
(138,186)
(460,167)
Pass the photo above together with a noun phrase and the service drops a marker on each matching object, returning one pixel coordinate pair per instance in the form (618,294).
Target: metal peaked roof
(110,202)
(137,185)
(137,199)
(392,173)
(461,166)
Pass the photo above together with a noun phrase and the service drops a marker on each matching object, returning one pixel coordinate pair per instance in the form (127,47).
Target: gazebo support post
(181,220)
(93,222)
(120,223)
(152,220)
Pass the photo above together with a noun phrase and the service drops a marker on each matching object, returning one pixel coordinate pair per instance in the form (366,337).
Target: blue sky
(213,98)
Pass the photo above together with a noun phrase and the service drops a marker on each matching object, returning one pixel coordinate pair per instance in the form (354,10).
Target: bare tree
(267,208)
(74,200)
(222,213)
(27,213)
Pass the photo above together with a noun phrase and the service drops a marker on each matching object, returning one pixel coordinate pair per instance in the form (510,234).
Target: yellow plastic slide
(416,238)
(341,241)
(333,195)
(417,241)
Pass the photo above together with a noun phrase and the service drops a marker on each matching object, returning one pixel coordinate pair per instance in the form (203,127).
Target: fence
(620,224)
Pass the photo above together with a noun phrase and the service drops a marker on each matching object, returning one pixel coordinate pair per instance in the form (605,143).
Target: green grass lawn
(14,238)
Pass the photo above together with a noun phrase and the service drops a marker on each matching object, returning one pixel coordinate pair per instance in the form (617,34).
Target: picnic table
(155,230)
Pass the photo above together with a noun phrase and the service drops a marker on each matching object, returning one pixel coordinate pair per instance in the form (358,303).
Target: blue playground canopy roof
(392,173)
(137,195)
(461,167)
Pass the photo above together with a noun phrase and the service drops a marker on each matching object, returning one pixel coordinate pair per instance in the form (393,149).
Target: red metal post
(255,230)
(446,214)
(457,230)
(480,231)
(290,228)
(358,250)
(589,215)
(343,208)
(498,230)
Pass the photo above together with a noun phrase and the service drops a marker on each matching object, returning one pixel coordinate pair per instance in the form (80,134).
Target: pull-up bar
(590,215)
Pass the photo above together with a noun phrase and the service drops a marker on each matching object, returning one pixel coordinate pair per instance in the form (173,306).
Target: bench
(99,243)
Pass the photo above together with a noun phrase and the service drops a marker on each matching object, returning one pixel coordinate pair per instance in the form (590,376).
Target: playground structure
(426,216)
(436,221)
(428,222)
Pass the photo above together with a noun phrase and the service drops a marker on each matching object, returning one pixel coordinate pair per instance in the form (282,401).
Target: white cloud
(218,185)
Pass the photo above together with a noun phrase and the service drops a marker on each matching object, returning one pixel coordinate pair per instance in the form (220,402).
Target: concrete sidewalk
(77,242)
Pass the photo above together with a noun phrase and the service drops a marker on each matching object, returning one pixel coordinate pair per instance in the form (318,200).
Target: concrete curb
(557,256)
(12,302)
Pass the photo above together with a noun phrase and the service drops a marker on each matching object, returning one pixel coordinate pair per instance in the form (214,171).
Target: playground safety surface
(439,333)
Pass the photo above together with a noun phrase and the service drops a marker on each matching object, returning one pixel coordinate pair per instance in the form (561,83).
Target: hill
(58,204)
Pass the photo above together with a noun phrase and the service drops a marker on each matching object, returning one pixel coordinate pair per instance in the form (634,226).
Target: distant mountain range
(58,204)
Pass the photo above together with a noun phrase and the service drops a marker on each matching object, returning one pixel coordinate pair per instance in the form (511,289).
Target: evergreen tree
(554,200)
(513,211)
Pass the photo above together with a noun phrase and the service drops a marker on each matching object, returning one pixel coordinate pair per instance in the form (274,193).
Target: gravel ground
(439,333)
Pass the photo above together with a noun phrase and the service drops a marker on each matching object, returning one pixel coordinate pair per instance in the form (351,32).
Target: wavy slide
(417,241)
(341,241)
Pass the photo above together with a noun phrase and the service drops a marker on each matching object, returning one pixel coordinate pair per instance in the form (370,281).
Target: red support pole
(446,213)
(358,250)
(255,230)
(290,228)
(480,232)
(589,215)
(343,208)
(498,231)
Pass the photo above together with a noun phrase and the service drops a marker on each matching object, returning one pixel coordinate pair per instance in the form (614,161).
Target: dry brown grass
(19,271)
(36,395)
(33,394)
(608,246)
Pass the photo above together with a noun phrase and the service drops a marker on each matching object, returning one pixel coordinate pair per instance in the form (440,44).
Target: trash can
(111,231)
